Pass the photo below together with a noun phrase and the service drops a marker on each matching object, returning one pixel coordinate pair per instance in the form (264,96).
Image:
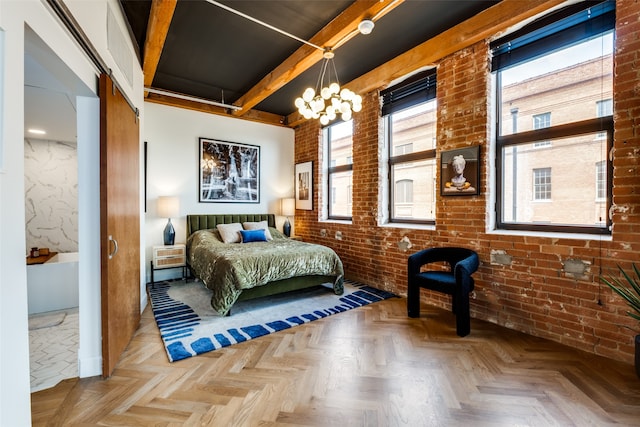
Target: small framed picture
(229,172)
(460,172)
(304,186)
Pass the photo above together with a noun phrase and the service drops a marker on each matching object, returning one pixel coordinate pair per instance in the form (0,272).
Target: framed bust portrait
(460,172)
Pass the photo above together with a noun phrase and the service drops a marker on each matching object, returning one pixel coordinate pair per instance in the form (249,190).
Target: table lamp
(168,207)
(288,208)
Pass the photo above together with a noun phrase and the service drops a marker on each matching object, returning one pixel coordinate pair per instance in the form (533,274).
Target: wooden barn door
(119,223)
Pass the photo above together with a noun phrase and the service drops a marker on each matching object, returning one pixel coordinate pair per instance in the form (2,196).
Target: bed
(241,271)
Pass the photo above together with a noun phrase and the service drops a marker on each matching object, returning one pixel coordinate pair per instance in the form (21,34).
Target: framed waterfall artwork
(460,172)
(229,172)
(304,186)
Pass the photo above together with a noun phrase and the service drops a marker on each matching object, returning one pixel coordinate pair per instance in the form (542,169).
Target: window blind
(560,29)
(413,91)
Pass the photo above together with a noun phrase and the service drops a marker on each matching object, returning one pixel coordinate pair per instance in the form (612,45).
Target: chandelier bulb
(308,94)
(334,88)
(324,120)
(325,93)
(320,104)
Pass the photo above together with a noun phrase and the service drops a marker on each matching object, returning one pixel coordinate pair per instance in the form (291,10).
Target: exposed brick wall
(543,286)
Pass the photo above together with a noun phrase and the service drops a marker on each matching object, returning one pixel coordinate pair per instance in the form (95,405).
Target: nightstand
(169,256)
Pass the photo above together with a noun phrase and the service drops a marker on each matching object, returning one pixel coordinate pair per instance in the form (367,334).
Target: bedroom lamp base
(169,234)
(286,228)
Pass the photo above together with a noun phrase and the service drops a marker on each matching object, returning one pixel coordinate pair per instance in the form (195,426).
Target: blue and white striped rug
(189,326)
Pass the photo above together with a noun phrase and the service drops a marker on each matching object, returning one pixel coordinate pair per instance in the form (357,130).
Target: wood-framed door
(119,222)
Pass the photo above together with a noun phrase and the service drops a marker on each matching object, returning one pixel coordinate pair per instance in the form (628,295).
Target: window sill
(553,235)
(409,226)
(336,221)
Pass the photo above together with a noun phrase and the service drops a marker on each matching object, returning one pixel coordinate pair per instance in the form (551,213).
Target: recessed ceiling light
(37,131)
(366,26)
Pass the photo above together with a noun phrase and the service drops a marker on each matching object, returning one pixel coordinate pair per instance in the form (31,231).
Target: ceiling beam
(484,25)
(341,28)
(159,21)
(253,115)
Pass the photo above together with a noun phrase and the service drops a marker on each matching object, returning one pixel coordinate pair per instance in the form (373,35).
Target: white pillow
(230,233)
(262,225)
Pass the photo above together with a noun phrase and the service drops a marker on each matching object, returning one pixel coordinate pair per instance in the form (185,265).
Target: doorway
(57,101)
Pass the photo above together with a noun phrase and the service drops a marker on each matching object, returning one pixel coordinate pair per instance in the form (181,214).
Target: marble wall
(51,195)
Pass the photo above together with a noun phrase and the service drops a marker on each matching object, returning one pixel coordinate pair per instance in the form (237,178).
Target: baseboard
(89,367)
(144,300)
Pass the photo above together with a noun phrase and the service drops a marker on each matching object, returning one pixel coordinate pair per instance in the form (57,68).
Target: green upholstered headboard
(204,222)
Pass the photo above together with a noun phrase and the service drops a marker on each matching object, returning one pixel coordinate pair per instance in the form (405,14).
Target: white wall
(172,137)
(51,194)
(14,16)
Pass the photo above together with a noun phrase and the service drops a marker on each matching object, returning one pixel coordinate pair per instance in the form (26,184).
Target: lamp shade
(288,206)
(168,207)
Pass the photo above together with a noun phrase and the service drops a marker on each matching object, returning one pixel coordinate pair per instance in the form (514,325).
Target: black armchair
(457,282)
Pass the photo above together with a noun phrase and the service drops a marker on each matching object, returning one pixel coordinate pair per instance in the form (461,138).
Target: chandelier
(326,102)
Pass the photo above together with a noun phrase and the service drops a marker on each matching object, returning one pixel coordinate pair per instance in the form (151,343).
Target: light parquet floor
(372,366)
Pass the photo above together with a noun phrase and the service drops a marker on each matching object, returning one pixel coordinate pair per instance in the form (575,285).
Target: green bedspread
(228,268)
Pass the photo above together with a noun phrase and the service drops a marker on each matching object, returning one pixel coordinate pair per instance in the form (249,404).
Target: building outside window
(339,147)
(409,114)
(556,66)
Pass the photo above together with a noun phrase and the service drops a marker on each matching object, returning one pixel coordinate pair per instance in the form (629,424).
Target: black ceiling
(210,52)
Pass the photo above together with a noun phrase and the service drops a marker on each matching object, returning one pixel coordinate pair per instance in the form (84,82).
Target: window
(404,191)
(404,198)
(601,181)
(556,66)
(541,121)
(604,109)
(339,144)
(409,112)
(403,149)
(542,184)
(400,150)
